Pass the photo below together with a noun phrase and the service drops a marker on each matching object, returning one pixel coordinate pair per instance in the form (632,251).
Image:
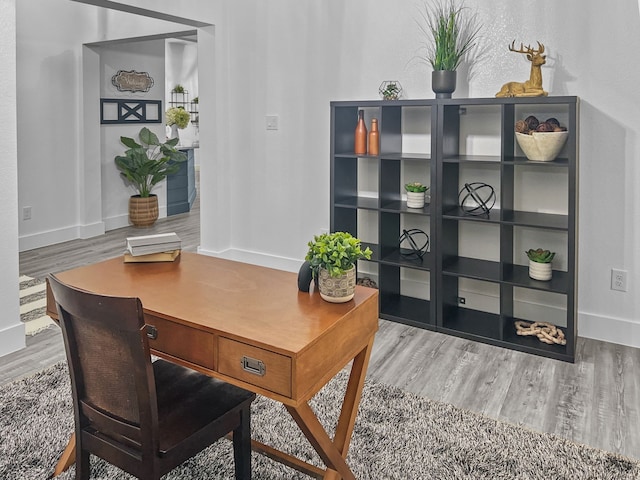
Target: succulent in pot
(332,258)
(415,194)
(540,263)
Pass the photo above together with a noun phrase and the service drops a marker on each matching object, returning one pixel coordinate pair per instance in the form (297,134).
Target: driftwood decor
(533,86)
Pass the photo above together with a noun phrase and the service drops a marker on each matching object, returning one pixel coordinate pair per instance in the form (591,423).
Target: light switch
(272,122)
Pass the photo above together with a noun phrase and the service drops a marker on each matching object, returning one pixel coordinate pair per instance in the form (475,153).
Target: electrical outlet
(618,280)
(272,122)
(26,213)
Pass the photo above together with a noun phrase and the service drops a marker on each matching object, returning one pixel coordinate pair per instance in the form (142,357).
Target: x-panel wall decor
(118,110)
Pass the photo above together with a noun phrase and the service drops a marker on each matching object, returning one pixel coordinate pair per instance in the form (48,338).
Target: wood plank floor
(595,401)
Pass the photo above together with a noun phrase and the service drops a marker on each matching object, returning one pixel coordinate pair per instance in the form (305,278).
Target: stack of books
(161,247)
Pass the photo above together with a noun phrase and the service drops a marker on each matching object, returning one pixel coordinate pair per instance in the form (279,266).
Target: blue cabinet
(181,186)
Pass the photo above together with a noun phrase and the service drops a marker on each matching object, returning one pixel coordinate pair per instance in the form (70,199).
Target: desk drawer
(186,343)
(254,365)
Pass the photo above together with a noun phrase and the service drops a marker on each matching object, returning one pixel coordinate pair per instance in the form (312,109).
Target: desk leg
(334,453)
(67,458)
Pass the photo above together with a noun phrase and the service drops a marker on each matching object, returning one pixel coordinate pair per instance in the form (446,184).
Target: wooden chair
(144,417)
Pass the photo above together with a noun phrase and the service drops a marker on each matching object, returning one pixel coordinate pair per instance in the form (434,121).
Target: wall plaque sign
(132,81)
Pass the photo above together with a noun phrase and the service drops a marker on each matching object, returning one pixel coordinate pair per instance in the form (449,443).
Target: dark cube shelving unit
(449,128)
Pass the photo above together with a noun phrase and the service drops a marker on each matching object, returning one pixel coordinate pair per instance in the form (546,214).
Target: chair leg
(83,467)
(242,445)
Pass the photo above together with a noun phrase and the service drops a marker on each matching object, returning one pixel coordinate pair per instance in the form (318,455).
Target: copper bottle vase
(360,140)
(374,138)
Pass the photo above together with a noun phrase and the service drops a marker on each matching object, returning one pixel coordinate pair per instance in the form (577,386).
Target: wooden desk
(249,326)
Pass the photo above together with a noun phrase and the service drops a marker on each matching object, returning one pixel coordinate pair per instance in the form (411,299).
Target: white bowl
(542,146)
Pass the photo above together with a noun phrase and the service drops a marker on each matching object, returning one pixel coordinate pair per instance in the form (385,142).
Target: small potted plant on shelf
(452,33)
(143,165)
(540,263)
(390,90)
(415,194)
(178,89)
(332,258)
(177,118)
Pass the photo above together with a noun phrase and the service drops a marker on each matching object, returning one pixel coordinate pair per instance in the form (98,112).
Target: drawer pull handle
(152,332)
(252,365)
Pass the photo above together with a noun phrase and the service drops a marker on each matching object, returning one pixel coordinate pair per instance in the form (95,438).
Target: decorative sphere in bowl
(542,146)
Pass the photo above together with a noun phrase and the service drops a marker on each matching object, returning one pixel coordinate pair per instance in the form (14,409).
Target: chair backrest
(110,365)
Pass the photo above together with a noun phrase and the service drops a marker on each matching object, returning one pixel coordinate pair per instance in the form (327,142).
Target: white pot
(415,199)
(337,289)
(540,271)
(173,132)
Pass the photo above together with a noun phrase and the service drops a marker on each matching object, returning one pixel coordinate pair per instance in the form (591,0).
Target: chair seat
(191,403)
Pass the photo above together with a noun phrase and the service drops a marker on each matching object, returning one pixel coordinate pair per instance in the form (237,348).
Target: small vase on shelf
(173,132)
(374,138)
(360,142)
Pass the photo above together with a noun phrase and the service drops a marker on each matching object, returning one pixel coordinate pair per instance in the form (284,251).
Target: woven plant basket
(143,211)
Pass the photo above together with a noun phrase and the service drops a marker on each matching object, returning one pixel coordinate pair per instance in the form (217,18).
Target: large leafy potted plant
(143,165)
(332,258)
(451,33)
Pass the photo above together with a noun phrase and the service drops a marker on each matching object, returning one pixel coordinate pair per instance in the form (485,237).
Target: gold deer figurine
(533,86)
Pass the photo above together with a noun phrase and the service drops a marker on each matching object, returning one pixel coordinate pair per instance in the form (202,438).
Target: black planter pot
(443,83)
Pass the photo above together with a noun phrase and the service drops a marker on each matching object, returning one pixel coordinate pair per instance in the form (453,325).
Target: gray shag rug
(397,435)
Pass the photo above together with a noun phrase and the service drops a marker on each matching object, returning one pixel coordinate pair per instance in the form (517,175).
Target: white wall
(264,194)
(181,68)
(11,329)
(53,155)
(292,58)
(142,56)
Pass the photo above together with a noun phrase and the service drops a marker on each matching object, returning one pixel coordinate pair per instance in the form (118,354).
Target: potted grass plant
(143,165)
(451,31)
(540,263)
(332,258)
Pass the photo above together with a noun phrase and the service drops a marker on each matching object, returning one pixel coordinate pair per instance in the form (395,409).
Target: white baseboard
(607,329)
(44,239)
(120,221)
(52,237)
(92,230)
(12,339)
(256,258)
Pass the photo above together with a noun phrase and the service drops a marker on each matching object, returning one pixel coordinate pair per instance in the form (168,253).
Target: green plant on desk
(336,252)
